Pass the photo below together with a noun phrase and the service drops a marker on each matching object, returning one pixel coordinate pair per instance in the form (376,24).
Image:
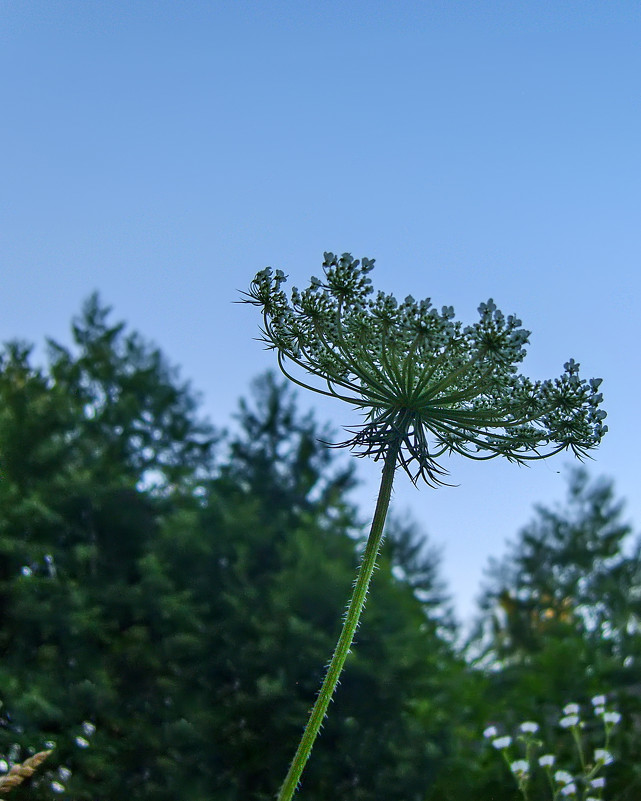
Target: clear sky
(163,152)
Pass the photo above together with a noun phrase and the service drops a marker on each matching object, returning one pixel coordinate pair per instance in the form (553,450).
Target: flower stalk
(352,617)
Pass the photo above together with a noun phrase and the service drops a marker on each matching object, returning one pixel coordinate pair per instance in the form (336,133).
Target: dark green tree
(94,452)
(164,619)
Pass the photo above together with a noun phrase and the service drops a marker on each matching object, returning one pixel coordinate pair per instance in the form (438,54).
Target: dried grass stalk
(19,773)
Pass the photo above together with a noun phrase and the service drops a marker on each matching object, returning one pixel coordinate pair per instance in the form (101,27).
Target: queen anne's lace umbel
(423,380)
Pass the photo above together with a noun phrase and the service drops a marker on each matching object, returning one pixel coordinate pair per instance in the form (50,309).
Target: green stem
(350,625)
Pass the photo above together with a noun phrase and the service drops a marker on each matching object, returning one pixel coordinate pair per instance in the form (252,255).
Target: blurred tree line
(170,595)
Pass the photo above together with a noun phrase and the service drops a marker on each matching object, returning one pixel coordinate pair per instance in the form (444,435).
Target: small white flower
(88,728)
(571,709)
(598,700)
(64,773)
(502,742)
(569,789)
(568,721)
(57,787)
(4,765)
(599,711)
(491,731)
(563,777)
(82,743)
(547,760)
(529,727)
(520,767)
(601,755)
(612,717)
(598,784)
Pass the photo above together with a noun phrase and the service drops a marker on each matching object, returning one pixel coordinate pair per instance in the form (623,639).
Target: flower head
(563,777)
(547,760)
(502,742)
(426,384)
(491,731)
(520,768)
(529,727)
(602,756)
(568,721)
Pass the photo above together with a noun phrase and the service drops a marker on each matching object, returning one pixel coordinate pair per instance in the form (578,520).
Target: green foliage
(89,452)
(165,616)
(164,619)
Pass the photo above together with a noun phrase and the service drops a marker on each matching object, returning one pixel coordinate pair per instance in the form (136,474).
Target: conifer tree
(90,451)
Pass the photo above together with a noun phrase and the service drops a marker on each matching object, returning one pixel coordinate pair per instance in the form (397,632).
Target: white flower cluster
(563,784)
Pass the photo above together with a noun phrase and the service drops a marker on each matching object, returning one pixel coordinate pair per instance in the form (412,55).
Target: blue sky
(163,152)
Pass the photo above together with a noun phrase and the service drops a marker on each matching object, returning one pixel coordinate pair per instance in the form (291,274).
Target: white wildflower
(520,767)
(547,760)
(571,709)
(598,700)
(563,777)
(491,731)
(568,721)
(529,727)
(502,742)
(603,756)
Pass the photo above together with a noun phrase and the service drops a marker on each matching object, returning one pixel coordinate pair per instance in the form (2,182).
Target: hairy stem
(356,604)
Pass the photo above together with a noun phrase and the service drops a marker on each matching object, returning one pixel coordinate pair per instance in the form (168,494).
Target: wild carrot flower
(422,380)
(427,387)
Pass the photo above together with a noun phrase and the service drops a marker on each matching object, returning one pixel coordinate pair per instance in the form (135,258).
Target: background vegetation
(170,593)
